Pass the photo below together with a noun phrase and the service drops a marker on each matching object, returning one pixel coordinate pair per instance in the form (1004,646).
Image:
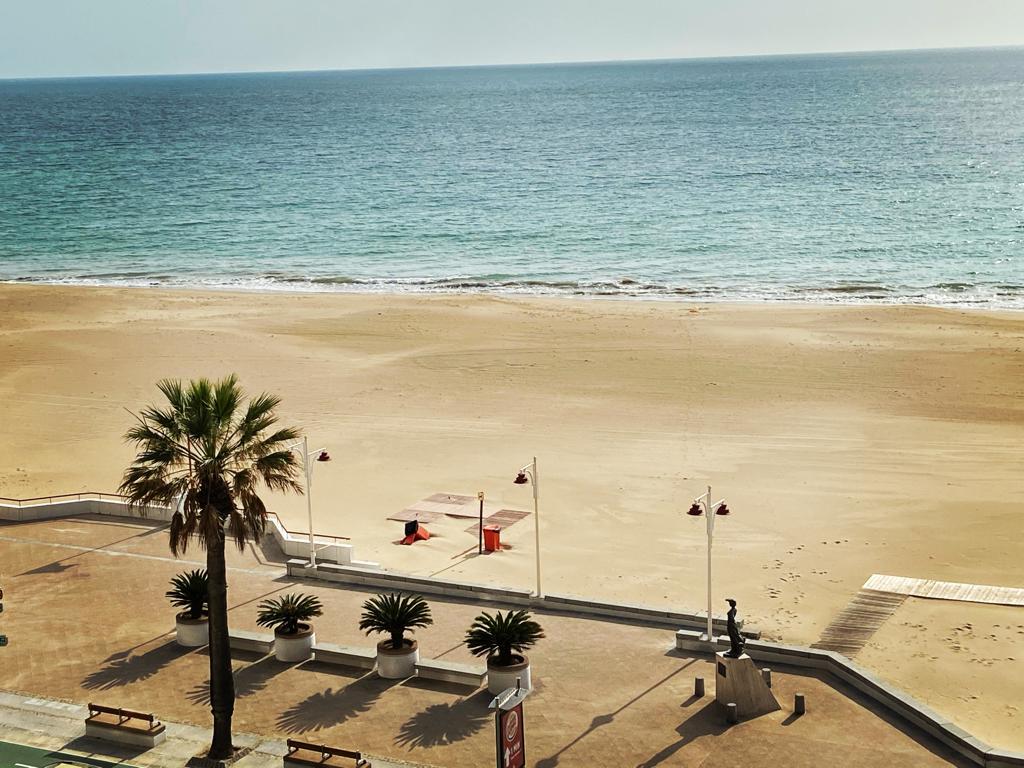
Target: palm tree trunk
(222,683)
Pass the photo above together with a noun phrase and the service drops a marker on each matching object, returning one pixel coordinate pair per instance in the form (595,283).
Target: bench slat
(324,751)
(124,714)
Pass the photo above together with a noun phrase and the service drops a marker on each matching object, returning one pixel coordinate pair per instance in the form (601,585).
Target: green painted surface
(18,756)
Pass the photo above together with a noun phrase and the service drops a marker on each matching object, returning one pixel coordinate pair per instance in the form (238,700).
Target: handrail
(50,499)
(99,495)
(306,532)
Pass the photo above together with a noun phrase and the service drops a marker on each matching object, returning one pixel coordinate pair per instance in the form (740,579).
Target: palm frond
(189,590)
(288,611)
(394,614)
(501,634)
(205,445)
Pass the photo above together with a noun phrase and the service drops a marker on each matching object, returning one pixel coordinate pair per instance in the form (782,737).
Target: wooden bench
(450,672)
(240,640)
(124,726)
(346,655)
(324,755)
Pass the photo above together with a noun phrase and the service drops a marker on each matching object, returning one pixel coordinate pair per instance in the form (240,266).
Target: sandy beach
(848,441)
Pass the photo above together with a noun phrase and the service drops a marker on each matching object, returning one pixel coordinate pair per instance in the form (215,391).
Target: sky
(55,38)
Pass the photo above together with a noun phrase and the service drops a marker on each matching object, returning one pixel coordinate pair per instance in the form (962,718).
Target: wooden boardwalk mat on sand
(946,590)
(859,620)
(431,508)
(424,516)
(881,595)
(503,518)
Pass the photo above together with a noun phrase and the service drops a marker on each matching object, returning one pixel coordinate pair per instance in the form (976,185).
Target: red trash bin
(492,538)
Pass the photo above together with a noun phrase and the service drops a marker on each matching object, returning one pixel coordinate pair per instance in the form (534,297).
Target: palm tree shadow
(249,680)
(443,724)
(333,707)
(127,668)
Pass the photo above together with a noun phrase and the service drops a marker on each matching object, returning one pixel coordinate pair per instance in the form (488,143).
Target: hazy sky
(90,37)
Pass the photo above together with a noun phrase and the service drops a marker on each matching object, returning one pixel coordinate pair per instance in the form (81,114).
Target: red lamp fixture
(722,510)
(694,510)
(324,456)
(521,479)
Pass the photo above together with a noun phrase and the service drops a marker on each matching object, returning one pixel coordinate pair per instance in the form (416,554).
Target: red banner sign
(512,752)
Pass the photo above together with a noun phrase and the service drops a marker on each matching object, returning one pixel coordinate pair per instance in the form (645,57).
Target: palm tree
(394,614)
(499,635)
(189,590)
(288,612)
(206,454)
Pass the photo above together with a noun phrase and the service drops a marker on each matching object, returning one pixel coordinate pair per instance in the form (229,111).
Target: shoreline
(654,298)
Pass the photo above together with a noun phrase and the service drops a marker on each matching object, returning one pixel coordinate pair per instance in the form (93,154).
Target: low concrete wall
(328,550)
(888,696)
(76,507)
(385,580)
(638,612)
(379,579)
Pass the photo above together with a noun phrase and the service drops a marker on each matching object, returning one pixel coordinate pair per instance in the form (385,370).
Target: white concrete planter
(502,678)
(191,633)
(400,664)
(298,647)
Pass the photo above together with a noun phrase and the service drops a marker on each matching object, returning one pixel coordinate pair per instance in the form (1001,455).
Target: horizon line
(566,62)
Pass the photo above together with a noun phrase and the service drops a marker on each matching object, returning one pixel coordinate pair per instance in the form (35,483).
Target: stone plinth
(739,682)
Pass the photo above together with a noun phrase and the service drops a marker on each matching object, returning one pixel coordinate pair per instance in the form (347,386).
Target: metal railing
(305,534)
(40,500)
(37,501)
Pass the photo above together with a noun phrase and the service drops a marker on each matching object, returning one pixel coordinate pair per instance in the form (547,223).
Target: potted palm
(189,592)
(503,638)
(394,614)
(289,616)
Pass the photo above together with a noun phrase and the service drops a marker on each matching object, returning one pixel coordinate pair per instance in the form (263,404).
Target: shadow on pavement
(442,724)
(125,669)
(104,751)
(248,680)
(602,720)
(709,720)
(333,706)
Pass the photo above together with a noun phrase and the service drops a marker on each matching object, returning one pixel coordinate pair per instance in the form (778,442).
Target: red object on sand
(421,534)
(492,538)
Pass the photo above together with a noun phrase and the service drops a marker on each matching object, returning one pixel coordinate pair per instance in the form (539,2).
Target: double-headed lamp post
(302,448)
(528,474)
(702,506)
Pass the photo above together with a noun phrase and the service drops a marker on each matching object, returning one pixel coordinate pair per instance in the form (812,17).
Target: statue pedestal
(739,682)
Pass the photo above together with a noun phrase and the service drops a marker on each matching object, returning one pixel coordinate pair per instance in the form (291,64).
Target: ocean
(873,177)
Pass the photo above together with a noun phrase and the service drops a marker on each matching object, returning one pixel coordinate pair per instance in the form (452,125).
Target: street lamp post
(528,474)
(302,448)
(702,506)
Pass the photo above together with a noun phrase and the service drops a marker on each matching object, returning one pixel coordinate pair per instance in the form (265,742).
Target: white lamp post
(702,506)
(302,448)
(528,474)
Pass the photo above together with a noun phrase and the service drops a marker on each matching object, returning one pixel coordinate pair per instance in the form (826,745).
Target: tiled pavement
(88,621)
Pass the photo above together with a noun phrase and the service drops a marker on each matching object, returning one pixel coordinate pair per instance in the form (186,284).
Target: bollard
(698,686)
(766,673)
(731,716)
(799,707)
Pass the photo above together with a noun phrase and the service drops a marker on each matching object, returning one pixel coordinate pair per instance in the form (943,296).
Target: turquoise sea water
(894,177)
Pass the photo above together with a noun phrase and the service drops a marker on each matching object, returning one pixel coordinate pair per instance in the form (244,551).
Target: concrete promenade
(88,621)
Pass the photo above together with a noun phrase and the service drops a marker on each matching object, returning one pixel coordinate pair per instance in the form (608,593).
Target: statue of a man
(735,638)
